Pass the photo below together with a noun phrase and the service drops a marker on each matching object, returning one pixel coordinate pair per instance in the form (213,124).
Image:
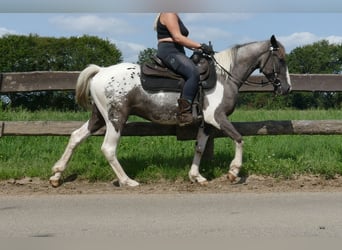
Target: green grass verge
(149,159)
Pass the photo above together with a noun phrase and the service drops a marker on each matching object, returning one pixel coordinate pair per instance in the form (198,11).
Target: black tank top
(163,32)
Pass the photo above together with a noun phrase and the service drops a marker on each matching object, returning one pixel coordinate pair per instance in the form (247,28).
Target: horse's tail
(83,84)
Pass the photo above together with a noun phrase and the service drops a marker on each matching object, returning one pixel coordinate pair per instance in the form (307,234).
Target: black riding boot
(184,115)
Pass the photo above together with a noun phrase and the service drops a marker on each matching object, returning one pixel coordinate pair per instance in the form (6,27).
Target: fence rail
(44,81)
(63,128)
(62,80)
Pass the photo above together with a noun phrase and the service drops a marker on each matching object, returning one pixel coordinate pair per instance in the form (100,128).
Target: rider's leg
(184,66)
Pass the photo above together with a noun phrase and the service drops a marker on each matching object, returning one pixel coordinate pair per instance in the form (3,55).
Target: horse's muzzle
(279,89)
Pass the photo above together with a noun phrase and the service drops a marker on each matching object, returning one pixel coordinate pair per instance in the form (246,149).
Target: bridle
(272,77)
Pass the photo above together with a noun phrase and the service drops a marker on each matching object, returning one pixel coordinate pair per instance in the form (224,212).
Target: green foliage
(58,100)
(145,55)
(318,58)
(34,53)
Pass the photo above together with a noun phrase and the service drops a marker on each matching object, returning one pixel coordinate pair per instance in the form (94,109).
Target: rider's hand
(207,49)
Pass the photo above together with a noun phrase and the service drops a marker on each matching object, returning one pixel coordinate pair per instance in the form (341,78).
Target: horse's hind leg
(95,123)
(76,138)
(108,148)
(201,142)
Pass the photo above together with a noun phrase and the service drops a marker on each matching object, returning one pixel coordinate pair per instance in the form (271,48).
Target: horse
(116,93)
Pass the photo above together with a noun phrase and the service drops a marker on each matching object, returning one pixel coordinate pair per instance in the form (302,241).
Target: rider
(172,38)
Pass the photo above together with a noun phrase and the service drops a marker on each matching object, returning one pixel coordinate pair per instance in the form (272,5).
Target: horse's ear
(274,42)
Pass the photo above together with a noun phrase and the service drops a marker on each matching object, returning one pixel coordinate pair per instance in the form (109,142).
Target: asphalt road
(182,216)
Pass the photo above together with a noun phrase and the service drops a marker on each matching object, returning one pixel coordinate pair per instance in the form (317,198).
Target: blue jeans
(174,57)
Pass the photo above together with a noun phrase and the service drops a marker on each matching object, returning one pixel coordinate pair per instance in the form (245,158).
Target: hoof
(55,182)
(203,183)
(126,183)
(231,177)
(132,183)
(198,179)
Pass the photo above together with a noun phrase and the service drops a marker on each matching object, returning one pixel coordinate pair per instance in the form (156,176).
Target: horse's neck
(241,61)
(249,57)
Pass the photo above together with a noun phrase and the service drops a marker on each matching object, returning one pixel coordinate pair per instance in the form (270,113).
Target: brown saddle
(155,76)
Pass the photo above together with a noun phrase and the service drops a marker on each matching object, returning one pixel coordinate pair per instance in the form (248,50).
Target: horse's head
(274,67)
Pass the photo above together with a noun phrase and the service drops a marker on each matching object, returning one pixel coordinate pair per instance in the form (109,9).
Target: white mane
(226,58)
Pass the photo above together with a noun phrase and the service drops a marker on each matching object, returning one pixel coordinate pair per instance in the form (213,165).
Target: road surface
(182,216)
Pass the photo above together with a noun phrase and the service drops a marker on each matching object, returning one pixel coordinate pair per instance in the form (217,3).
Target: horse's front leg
(228,129)
(236,163)
(201,142)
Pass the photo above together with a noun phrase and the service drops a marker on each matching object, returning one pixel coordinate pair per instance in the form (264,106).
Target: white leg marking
(108,148)
(236,163)
(194,174)
(76,138)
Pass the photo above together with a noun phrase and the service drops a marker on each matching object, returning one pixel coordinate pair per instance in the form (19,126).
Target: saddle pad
(156,84)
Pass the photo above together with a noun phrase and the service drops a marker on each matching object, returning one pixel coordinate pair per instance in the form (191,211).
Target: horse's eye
(282,60)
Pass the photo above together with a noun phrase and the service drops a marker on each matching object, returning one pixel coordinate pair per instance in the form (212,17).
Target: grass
(148,159)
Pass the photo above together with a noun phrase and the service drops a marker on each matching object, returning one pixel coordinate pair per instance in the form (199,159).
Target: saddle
(155,76)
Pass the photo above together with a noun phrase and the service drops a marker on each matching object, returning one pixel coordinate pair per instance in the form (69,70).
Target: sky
(129,25)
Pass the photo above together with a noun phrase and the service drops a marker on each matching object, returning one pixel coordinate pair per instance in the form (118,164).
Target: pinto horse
(116,93)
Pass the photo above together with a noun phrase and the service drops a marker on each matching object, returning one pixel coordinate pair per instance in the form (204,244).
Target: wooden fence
(41,81)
